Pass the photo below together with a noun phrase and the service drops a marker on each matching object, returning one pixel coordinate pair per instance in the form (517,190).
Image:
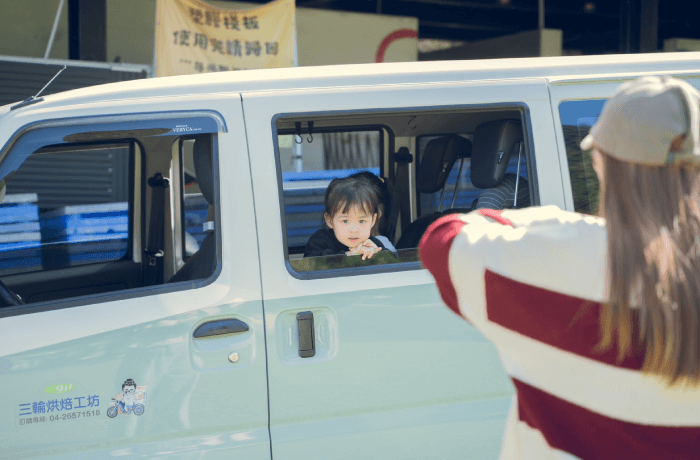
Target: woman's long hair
(653,231)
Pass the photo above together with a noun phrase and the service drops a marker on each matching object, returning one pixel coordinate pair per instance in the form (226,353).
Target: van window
(577,117)
(91,212)
(66,207)
(417,155)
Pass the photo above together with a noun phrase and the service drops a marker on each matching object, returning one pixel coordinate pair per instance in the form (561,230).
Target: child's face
(353,227)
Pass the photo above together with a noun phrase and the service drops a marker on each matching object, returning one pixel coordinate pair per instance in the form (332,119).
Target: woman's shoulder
(551,216)
(535,226)
(544,246)
(542,220)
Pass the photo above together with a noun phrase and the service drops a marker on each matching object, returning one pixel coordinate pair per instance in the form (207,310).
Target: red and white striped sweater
(531,281)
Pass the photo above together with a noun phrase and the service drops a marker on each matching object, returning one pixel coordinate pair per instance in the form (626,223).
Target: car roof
(297,78)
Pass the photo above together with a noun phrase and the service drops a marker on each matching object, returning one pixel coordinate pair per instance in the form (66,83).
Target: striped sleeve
(434,250)
(519,244)
(435,246)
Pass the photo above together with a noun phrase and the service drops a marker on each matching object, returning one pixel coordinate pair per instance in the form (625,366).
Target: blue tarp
(66,236)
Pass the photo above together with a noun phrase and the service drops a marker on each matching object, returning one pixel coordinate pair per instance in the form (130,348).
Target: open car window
(425,160)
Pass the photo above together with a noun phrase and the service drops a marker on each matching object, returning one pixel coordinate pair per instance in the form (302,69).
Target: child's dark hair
(382,190)
(346,193)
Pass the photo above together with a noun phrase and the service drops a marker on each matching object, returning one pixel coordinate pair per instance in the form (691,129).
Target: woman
(596,319)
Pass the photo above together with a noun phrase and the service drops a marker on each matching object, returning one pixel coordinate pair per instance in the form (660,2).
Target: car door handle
(220,327)
(307,340)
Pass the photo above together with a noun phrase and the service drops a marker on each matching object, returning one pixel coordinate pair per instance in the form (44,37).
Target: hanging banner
(194,37)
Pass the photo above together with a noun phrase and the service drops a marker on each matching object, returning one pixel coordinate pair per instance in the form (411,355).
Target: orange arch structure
(392,37)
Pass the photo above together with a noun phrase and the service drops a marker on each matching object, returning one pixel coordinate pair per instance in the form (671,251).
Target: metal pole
(517,176)
(298,158)
(459,174)
(53,30)
(540,10)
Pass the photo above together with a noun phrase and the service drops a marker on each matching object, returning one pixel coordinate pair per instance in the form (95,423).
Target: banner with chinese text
(193,36)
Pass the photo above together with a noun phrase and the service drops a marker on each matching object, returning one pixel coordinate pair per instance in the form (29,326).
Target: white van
(154,297)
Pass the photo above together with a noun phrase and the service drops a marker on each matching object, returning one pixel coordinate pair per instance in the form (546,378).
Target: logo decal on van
(132,399)
(62,388)
(59,407)
(185,129)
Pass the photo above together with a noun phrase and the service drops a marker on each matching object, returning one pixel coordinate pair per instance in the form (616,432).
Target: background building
(111,40)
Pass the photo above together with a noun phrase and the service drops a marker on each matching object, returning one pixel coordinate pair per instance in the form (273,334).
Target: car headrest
(494,143)
(202,157)
(438,158)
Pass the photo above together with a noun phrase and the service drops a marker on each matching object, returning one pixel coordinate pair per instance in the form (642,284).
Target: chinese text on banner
(193,36)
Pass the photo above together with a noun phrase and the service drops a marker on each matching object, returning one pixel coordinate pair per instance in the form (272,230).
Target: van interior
(434,162)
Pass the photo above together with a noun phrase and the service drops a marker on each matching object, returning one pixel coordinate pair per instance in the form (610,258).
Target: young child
(351,212)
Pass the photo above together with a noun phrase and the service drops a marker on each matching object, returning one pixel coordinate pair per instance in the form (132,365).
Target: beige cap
(643,117)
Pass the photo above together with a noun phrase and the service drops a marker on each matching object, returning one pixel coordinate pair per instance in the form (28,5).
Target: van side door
(128,231)
(364,359)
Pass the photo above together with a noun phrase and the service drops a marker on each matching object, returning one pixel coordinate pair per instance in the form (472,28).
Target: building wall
(532,43)
(681,44)
(25,28)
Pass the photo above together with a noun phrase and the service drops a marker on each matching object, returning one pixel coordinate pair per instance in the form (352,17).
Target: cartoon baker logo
(132,399)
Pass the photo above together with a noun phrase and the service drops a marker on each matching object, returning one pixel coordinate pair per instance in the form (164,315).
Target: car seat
(202,264)
(436,164)
(494,144)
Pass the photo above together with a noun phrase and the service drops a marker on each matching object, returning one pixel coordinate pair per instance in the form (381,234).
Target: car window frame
(530,163)
(113,120)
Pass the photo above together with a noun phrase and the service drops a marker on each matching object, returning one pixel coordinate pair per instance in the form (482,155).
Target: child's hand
(366,248)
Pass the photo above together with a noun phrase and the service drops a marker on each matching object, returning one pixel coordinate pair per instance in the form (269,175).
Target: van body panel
(193,402)
(470,430)
(382,338)
(381,380)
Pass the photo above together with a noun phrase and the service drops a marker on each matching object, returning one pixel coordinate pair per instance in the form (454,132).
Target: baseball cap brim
(587,142)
